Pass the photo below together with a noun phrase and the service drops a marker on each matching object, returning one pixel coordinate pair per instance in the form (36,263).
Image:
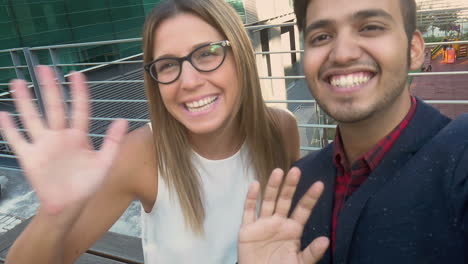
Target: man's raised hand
(273,237)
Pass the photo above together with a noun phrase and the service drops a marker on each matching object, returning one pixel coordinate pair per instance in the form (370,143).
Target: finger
(307,203)
(80,105)
(271,193)
(11,134)
(112,141)
(28,112)
(250,203)
(287,192)
(54,105)
(314,252)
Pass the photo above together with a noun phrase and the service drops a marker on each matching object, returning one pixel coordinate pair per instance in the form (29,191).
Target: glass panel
(7,31)
(126,3)
(75,6)
(149,4)
(4,14)
(238,5)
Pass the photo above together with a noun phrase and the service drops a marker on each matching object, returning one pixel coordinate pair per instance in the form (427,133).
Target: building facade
(32,23)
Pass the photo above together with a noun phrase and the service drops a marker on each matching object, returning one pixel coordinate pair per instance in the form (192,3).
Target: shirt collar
(339,157)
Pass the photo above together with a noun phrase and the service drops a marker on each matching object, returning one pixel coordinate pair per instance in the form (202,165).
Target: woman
(210,136)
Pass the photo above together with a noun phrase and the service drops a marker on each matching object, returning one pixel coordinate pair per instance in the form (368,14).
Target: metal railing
(110,95)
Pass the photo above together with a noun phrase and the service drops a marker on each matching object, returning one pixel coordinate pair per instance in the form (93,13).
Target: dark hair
(408,10)
(407,7)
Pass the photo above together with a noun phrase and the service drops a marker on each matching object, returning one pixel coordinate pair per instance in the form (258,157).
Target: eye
(368,28)
(319,39)
(165,66)
(207,54)
(212,50)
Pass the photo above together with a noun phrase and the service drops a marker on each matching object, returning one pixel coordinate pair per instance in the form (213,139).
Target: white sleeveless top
(165,237)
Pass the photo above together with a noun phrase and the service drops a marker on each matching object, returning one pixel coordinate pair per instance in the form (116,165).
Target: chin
(201,129)
(351,118)
(349,114)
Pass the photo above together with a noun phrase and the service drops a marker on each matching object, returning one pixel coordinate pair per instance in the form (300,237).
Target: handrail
(270,77)
(86,44)
(133,60)
(105,64)
(119,41)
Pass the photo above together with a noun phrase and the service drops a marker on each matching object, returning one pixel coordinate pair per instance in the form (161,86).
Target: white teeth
(201,105)
(351,80)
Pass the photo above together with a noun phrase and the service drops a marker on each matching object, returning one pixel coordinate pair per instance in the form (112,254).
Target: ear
(417,51)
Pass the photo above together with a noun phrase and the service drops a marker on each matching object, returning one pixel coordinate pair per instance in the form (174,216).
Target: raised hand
(274,237)
(59,162)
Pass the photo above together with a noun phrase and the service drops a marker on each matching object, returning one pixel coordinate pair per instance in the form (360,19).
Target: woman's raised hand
(59,161)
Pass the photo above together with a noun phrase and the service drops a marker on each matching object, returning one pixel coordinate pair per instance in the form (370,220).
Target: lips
(200,105)
(351,79)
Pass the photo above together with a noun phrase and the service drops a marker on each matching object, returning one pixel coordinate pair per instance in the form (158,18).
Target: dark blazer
(413,208)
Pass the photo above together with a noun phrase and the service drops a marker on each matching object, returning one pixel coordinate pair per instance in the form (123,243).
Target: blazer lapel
(426,122)
(323,209)
(318,168)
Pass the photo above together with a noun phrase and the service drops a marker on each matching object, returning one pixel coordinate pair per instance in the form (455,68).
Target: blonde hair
(258,126)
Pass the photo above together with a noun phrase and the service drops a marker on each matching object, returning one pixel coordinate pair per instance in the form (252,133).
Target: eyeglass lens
(205,59)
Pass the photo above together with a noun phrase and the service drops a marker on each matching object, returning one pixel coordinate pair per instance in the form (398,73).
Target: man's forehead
(336,10)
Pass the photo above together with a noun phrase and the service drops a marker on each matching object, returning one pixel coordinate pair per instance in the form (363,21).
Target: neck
(358,138)
(220,144)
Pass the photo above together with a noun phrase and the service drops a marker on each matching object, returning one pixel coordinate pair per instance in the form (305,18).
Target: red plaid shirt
(350,176)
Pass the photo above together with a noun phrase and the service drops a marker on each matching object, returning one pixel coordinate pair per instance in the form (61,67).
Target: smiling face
(356,57)
(203,102)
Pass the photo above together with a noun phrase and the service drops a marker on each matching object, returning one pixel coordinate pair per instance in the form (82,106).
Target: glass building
(32,23)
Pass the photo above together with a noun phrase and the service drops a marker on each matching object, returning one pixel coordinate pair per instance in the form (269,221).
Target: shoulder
(136,160)
(453,134)
(285,118)
(138,146)
(456,131)
(289,130)
(316,160)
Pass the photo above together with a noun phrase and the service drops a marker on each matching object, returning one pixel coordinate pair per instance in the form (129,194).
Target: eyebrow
(194,47)
(360,15)
(318,24)
(372,13)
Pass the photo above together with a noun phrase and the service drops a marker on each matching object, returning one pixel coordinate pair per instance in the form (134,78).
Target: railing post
(32,62)
(261,61)
(276,65)
(296,43)
(17,63)
(286,44)
(58,72)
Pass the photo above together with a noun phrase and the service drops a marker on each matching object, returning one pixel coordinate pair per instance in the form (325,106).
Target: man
(395,180)
(396,176)
(444,53)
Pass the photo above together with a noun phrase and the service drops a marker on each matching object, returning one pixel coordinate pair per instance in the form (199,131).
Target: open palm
(59,161)
(274,237)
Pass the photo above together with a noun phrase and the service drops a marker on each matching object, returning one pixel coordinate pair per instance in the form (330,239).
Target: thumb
(111,144)
(314,252)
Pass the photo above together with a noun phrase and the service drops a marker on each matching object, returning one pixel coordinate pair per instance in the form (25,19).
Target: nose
(190,77)
(346,50)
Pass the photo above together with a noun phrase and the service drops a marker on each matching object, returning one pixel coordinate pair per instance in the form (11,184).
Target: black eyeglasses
(205,58)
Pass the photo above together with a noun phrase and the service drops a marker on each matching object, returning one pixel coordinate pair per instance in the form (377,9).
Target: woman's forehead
(182,33)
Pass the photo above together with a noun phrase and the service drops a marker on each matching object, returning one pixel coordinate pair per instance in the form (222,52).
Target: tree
(422,19)
(446,21)
(443,19)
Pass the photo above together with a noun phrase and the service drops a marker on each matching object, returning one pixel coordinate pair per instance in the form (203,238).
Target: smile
(201,105)
(350,80)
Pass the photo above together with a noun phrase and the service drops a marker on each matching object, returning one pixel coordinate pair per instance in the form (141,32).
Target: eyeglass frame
(224,44)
